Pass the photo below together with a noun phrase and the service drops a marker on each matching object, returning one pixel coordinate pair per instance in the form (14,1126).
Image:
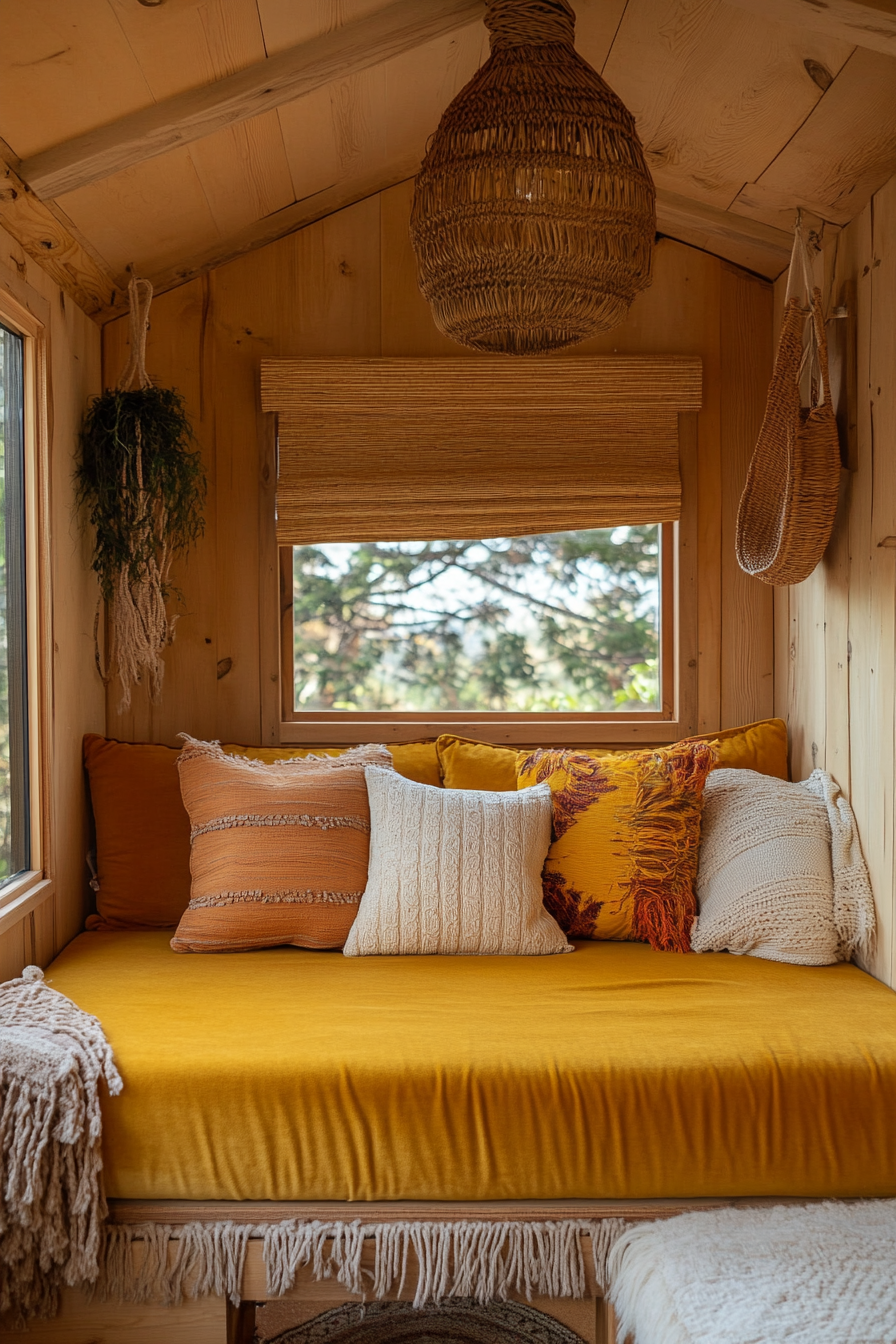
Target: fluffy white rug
(815,1274)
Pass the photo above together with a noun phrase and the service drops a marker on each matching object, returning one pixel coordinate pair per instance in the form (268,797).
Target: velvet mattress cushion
(616,1073)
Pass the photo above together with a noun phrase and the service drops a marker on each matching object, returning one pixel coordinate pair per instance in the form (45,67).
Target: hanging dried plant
(143,484)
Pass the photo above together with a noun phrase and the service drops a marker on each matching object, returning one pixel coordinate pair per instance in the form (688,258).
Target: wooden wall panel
(76,703)
(837,687)
(747,632)
(15,951)
(347,286)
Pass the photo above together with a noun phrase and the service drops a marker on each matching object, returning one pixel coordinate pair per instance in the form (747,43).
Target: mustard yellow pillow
(758,746)
(414,760)
(626,834)
(468,764)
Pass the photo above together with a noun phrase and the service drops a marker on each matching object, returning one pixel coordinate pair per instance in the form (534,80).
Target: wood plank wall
(346,286)
(76,700)
(836,633)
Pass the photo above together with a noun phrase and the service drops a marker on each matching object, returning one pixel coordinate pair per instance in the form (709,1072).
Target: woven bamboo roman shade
(408,449)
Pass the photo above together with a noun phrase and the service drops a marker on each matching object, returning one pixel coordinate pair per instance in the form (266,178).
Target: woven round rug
(460,1319)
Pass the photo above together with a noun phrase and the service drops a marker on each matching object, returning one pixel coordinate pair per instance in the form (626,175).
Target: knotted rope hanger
(800,279)
(140,626)
(519,23)
(139,300)
(789,501)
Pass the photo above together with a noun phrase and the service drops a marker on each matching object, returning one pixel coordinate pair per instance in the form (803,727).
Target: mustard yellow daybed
(618,1072)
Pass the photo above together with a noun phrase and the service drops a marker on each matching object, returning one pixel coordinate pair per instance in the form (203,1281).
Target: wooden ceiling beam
(747,242)
(248,93)
(864,23)
(45,237)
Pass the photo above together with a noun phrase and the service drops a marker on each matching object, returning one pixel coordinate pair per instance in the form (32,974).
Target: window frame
(30,887)
(678,666)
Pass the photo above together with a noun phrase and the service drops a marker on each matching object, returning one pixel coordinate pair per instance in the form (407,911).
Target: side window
(14,803)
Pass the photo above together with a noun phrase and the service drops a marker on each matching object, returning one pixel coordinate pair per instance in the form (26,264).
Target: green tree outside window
(562,622)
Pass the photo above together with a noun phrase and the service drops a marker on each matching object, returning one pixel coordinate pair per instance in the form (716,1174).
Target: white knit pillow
(454,871)
(765,884)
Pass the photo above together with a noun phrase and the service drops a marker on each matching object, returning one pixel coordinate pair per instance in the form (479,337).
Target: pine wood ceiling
(743,116)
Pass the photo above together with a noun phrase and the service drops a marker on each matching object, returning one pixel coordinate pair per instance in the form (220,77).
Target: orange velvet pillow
(279,850)
(142,835)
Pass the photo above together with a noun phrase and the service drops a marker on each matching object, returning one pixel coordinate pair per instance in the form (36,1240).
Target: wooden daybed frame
(213,1320)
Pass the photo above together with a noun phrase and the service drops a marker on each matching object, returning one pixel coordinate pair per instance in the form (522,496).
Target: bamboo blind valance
(423,449)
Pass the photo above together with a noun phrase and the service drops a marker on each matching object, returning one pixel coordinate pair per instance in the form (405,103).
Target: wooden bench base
(211,1320)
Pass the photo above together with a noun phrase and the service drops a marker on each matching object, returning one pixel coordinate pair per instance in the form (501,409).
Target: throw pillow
(414,760)
(626,837)
(468,764)
(455,873)
(758,746)
(766,885)
(142,835)
(279,851)
(143,831)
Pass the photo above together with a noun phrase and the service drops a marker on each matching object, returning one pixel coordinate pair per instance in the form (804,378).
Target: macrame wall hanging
(789,502)
(534,212)
(143,485)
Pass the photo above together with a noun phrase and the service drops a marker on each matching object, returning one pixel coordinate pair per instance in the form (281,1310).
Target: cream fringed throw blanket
(52,1206)
(482,1260)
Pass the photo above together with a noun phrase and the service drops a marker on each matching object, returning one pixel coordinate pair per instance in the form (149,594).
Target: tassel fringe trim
(480,1260)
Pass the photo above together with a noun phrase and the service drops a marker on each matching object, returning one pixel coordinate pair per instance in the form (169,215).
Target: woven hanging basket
(534,213)
(789,502)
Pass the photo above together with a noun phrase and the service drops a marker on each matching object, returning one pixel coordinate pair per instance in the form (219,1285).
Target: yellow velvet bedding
(616,1072)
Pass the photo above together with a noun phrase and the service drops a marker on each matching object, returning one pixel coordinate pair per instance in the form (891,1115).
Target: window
(565,625)
(584,630)
(15,821)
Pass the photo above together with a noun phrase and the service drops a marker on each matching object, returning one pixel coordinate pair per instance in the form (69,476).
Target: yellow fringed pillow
(626,834)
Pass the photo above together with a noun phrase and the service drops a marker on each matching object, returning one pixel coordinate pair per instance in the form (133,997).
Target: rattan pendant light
(534,212)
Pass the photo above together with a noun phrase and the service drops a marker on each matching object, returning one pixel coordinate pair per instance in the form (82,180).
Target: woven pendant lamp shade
(534,213)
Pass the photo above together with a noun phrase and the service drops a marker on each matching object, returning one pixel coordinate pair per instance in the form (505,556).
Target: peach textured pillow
(279,851)
(143,831)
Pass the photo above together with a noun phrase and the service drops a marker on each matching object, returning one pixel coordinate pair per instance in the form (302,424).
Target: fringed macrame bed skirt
(479,1260)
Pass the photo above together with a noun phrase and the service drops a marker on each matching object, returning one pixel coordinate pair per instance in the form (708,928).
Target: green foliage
(565,622)
(142,482)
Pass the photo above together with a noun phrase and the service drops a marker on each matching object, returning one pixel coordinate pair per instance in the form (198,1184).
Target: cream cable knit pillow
(454,871)
(765,883)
